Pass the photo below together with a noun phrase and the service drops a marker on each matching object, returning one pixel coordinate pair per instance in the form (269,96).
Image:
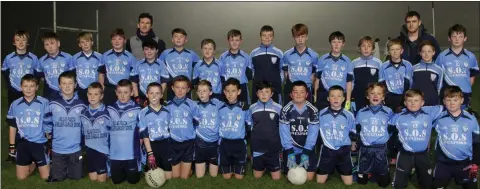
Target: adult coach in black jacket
(144,31)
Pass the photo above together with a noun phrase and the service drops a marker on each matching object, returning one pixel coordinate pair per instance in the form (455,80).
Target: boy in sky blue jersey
(210,68)
(334,68)
(27,120)
(238,64)
(51,65)
(299,63)
(267,64)
(117,64)
(66,131)
(182,131)
(457,145)
(299,130)
(85,63)
(96,124)
(338,136)
(148,70)
(17,64)
(124,136)
(179,60)
(373,134)
(459,64)
(427,76)
(233,121)
(414,127)
(207,123)
(265,136)
(366,68)
(154,122)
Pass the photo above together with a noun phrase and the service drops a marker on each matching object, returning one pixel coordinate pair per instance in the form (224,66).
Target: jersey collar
(450,51)
(335,59)
(306,51)
(29,103)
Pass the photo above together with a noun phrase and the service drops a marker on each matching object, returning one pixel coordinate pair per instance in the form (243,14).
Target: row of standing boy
(332,68)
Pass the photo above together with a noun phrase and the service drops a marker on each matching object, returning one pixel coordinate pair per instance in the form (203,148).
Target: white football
(297,175)
(155,178)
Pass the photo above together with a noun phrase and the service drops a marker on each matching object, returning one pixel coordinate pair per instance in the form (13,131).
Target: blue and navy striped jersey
(179,63)
(67,126)
(29,118)
(265,135)
(116,66)
(233,120)
(373,122)
(427,77)
(238,66)
(52,67)
(86,68)
(181,118)
(415,128)
(154,124)
(211,72)
(333,70)
(124,133)
(15,66)
(456,135)
(300,66)
(397,77)
(458,68)
(207,119)
(145,73)
(299,127)
(267,64)
(366,70)
(336,127)
(96,128)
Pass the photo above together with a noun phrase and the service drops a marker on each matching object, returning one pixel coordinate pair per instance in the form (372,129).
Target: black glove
(12,153)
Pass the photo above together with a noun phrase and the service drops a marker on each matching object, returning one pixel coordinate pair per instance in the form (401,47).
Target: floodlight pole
(433,18)
(54,16)
(98,41)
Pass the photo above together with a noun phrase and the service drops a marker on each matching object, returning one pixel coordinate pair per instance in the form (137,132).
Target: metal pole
(433,17)
(55,17)
(98,42)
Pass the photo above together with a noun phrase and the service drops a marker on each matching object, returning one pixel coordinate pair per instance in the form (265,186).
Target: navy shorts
(335,159)
(96,161)
(233,156)
(373,159)
(82,94)
(122,170)
(455,170)
(312,161)
(206,152)
(267,161)
(245,95)
(28,152)
(109,96)
(181,151)
(160,151)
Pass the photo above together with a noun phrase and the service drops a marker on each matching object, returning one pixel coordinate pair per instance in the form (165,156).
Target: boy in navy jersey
(27,120)
(96,124)
(233,121)
(209,68)
(206,122)
(338,137)
(238,64)
(85,63)
(427,76)
(117,63)
(267,64)
(265,137)
(372,128)
(182,131)
(51,65)
(366,69)
(179,60)
(17,64)
(299,130)
(460,65)
(154,123)
(147,70)
(124,136)
(66,133)
(414,127)
(299,63)
(457,145)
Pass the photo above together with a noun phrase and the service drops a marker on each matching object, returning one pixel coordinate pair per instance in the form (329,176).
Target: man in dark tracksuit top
(267,62)
(412,33)
(144,31)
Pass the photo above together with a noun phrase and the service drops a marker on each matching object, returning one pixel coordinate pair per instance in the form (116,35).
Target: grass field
(9,178)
